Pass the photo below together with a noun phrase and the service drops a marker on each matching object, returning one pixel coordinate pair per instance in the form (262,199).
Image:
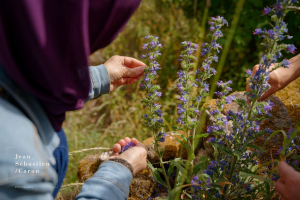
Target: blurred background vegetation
(111,117)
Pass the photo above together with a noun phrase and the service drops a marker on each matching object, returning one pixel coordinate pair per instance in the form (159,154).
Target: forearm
(295,67)
(100,82)
(111,181)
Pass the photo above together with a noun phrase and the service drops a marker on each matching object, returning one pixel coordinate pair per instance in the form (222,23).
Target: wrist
(122,162)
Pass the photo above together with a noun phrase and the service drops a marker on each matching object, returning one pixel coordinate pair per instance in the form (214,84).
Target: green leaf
(271,195)
(180,168)
(175,128)
(156,175)
(245,175)
(262,118)
(224,149)
(171,169)
(202,135)
(284,139)
(182,144)
(255,147)
(204,161)
(162,151)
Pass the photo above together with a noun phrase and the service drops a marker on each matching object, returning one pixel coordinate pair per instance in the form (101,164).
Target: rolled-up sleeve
(111,181)
(100,82)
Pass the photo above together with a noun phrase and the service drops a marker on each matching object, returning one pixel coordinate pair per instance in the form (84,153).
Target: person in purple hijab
(44,72)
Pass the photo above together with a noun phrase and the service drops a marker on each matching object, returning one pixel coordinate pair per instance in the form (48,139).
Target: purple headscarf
(45,44)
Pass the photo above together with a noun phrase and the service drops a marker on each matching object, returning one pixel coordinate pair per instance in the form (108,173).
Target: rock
(290,96)
(281,120)
(171,145)
(143,185)
(88,166)
(200,153)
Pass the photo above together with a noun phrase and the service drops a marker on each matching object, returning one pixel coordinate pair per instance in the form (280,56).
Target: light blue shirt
(27,142)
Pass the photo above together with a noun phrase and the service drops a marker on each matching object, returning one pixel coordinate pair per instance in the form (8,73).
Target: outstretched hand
(123,71)
(288,185)
(136,156)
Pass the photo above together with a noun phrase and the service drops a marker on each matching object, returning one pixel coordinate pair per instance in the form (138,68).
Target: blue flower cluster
(269,62)
(153,119)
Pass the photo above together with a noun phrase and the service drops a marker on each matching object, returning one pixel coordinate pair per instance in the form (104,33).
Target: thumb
(285,170)
(133,72)
(268,93)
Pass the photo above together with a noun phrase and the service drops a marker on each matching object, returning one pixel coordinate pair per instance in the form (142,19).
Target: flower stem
(157,150)
(230,176)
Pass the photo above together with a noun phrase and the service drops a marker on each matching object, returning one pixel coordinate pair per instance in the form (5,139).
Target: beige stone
(171,145)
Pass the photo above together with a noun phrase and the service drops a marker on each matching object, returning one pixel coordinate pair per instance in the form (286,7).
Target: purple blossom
(195,178)
(212,140)
(291,48)
(257,31)
(205,51)
(271,33)
(215,58)
(214,112)
(285,63)
(126,147)
(218,33)
(267,10)
(249,72)
(229,137)
(158,112)
(157,94)
(183,99)
(211,129)
(275,177)
(180,73)
(268,106)
(220,94)
(229,99)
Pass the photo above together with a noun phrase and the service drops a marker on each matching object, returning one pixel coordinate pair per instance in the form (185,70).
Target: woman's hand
(288,185)
(123,71)
(136,156)
(275,81)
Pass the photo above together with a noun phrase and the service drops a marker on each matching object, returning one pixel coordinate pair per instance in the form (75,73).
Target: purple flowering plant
(153,119)
(191,102)
(233,172)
